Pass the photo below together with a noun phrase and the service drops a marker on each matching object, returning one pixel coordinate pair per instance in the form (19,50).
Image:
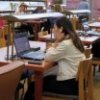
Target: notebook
(23,49)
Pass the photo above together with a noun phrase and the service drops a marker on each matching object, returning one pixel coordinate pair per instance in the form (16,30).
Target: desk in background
(94,25)
(80,11)
(87,40)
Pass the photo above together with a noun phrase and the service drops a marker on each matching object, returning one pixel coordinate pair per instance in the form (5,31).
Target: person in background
(38,9)
(54,8)
(46,22)
(83,5)
(57,8)
(67,51)
(22,9)
(2,22)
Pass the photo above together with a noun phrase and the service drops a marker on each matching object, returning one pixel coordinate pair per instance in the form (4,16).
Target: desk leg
(38,85)
(37,30)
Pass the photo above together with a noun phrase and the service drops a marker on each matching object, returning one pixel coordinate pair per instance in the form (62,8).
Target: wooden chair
(74,21)
(8,33)
(96,63)
(88,51)
(85,81)
(9,79)
(2,38)
(96,55)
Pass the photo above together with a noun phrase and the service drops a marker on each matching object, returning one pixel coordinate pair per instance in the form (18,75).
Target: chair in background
(2,38)
(74,22)
(4,35)
(85,83)
(96,55)
(95,62)
(9,79)
(87,52)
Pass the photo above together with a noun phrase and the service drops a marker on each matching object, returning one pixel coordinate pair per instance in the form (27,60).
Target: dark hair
(69,30)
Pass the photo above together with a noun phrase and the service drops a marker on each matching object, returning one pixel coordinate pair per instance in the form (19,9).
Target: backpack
(29,93)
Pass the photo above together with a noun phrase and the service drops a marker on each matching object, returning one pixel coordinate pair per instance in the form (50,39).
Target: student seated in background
(38,9)
(67,51)
(22,9)
(83,5)
(46,22)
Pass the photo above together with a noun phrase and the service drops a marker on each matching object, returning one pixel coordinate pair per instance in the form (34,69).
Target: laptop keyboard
(38,55)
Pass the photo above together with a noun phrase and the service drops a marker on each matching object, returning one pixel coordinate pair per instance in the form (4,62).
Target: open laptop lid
(21,42)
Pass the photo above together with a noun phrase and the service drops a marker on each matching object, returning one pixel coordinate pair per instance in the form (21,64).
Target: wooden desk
(94,25)
(37,68)
(86,40)
(80,11)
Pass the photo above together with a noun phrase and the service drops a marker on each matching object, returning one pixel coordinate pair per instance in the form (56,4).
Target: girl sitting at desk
(67,51)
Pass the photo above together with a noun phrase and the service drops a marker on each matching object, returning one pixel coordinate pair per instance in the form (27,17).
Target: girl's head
(65,25)
(57,8)
(23,7)
(63,29)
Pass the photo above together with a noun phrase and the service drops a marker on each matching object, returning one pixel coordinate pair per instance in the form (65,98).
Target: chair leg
(19,87)
(17,95)
(23,90)
(29,80)
(22,95)
(94,69)
(99,68)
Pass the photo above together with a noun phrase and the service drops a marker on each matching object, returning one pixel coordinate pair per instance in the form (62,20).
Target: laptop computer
(23,49)
(88,31)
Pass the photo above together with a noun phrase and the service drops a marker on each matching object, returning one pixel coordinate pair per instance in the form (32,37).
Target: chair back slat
(88,51)
(84,76)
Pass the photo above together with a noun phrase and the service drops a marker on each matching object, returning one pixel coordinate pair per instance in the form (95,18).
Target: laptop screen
(21,43)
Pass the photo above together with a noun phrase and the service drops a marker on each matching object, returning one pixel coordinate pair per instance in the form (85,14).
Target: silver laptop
(23,49)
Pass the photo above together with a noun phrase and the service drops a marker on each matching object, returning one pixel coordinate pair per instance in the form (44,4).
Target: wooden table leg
(38,85)
(37,29)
